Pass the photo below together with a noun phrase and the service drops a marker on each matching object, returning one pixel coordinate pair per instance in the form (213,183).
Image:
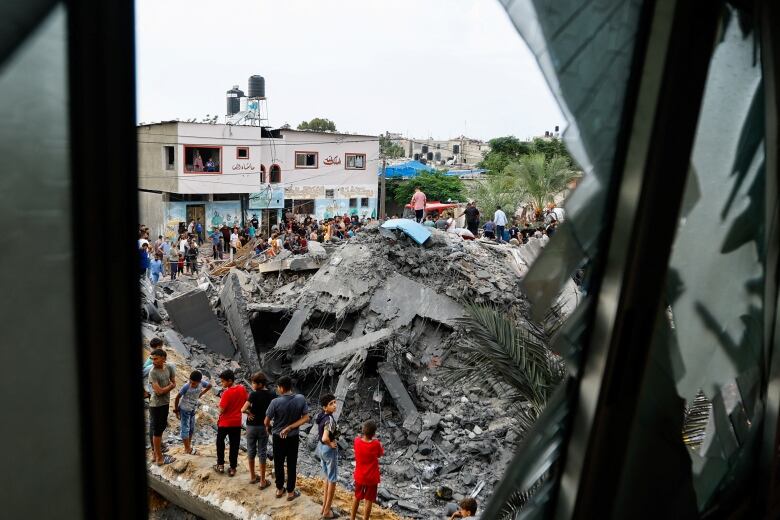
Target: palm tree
(497,190)
(541,179)
(515,358)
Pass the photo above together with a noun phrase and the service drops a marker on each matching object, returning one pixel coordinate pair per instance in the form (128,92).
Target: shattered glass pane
(716,278)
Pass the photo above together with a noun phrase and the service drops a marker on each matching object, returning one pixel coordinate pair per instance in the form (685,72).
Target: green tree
(492,191)
(318,124)
(436,186)
(389,149)
(541,179)
(503,150)
(550,148)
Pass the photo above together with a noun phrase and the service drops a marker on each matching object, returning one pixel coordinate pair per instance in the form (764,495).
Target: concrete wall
(150,212)
(236,175)
(217,213)
(314,183)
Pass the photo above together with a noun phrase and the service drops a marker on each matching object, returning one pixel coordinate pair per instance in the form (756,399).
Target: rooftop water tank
(234,96)
(257,87)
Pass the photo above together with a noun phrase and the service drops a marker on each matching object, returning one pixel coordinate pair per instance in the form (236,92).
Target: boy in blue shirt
(186,404)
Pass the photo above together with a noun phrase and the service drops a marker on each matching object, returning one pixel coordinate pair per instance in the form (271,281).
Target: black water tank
(234,96)
(256,86)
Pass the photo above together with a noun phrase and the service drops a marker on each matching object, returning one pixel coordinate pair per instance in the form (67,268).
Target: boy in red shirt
(367,453)
(229,422)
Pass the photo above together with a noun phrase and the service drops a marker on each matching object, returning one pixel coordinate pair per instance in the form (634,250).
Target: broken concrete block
(348,380)
(148,333)
(173,340)
(401,299)
(234,305)
(303,263)
(193,317)
(398,392)
(292,331)
(340,351)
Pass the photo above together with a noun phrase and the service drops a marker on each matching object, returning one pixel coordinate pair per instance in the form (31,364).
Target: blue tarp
(407,169)
(416,231)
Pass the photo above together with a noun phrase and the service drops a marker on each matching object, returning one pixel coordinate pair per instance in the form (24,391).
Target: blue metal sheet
(417,232)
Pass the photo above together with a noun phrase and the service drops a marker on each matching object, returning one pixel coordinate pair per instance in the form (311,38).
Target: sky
(424,68)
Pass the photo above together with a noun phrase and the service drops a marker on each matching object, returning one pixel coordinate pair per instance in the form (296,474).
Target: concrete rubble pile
(374,324)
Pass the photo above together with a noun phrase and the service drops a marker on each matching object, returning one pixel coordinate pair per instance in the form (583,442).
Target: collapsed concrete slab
(397,390)
(173,340)
(401,299)
(234,305)
(292,332)
(340,351)
(348,380)
(192,316)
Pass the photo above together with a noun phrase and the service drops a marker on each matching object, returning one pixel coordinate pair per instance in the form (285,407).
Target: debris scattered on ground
(374,323)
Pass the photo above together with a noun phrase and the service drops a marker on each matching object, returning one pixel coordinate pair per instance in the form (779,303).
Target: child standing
(186,404)
(229,422)
(328,450)
(256,435)
(367,453)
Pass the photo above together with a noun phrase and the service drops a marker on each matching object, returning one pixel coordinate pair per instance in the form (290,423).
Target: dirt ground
(204,481)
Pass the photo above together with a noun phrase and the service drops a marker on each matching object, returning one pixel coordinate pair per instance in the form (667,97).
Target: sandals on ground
(294,495)
(266,485)
(219,468)
(232,472)
(167,459)
(279,493)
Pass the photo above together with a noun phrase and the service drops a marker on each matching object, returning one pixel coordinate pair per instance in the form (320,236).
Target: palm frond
(495,348)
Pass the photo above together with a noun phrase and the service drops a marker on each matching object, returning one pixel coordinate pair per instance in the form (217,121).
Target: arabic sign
(268,198)
(331,160)
(243,167)
(304,192)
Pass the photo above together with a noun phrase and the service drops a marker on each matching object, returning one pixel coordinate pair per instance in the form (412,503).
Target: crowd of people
(270,415)
(181,256)
(498,226)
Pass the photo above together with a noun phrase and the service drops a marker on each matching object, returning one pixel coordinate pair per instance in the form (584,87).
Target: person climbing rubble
(284,416)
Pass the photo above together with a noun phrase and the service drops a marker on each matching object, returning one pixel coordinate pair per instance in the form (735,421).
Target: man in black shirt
(472,218)
(256,434)
(255,223)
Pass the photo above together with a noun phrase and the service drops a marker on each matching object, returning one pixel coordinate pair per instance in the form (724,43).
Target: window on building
(306,159)
(437,155)
(302,206)
(355,161)
(455,148)
(429,155)
(202,159)
(275,174)
(330,194)
(217,197)
(417,157)
(353,203)
(169,156)
(242,152)
(425,148)
(364,202)
(262,174)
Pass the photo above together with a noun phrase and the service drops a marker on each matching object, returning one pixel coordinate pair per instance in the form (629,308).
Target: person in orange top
(229,423)
(418,204)
(367,453)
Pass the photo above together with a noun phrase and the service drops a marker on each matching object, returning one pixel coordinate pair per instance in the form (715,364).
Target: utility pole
(382,194)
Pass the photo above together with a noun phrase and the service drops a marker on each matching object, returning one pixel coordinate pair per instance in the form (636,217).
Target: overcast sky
(437,68)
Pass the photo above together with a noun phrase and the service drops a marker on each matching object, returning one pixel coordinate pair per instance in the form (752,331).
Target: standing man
(284,416)
(199,231)
(216,244)
(499,219)
(162,379)
(472,218)
(254,222)
(191,228)
(418,204)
